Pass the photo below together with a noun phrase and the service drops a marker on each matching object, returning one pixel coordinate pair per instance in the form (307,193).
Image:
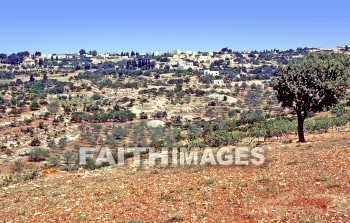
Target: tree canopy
(310,84)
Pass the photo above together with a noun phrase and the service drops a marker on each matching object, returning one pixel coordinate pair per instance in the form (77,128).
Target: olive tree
(310,84)
(53,107)
(38,154)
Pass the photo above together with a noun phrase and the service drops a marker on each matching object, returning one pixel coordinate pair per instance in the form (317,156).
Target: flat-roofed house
(28,62)
(212,72)
(218,82)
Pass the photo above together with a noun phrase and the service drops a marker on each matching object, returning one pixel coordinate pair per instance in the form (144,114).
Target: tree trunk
(301,128)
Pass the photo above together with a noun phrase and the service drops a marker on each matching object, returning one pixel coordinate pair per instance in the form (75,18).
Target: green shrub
(339,110)
(17,166)
(273,128)
(258,131)
(340,121)
(35,142)
(91,164)
(309,126)
(38,154)
(237,137)
(54,160)
(322,124)
(62,142)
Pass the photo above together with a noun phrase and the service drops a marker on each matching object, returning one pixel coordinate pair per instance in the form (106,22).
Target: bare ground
(299,183)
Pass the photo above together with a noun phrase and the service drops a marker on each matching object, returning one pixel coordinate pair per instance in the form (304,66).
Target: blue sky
(153,25)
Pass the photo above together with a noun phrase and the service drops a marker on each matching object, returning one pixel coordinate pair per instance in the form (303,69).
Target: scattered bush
(38,154)
(35,142)
(17,166)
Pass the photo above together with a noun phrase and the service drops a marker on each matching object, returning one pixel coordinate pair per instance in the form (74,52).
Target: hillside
(299,183)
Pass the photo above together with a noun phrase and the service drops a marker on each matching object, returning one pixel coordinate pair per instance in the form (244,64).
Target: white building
(28,62)
(212,72)
(218,82)
(201,58)
(343,48)
(102,55)
(61,56)
(185,65)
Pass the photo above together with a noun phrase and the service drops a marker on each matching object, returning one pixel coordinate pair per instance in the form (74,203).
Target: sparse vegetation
(58,104)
